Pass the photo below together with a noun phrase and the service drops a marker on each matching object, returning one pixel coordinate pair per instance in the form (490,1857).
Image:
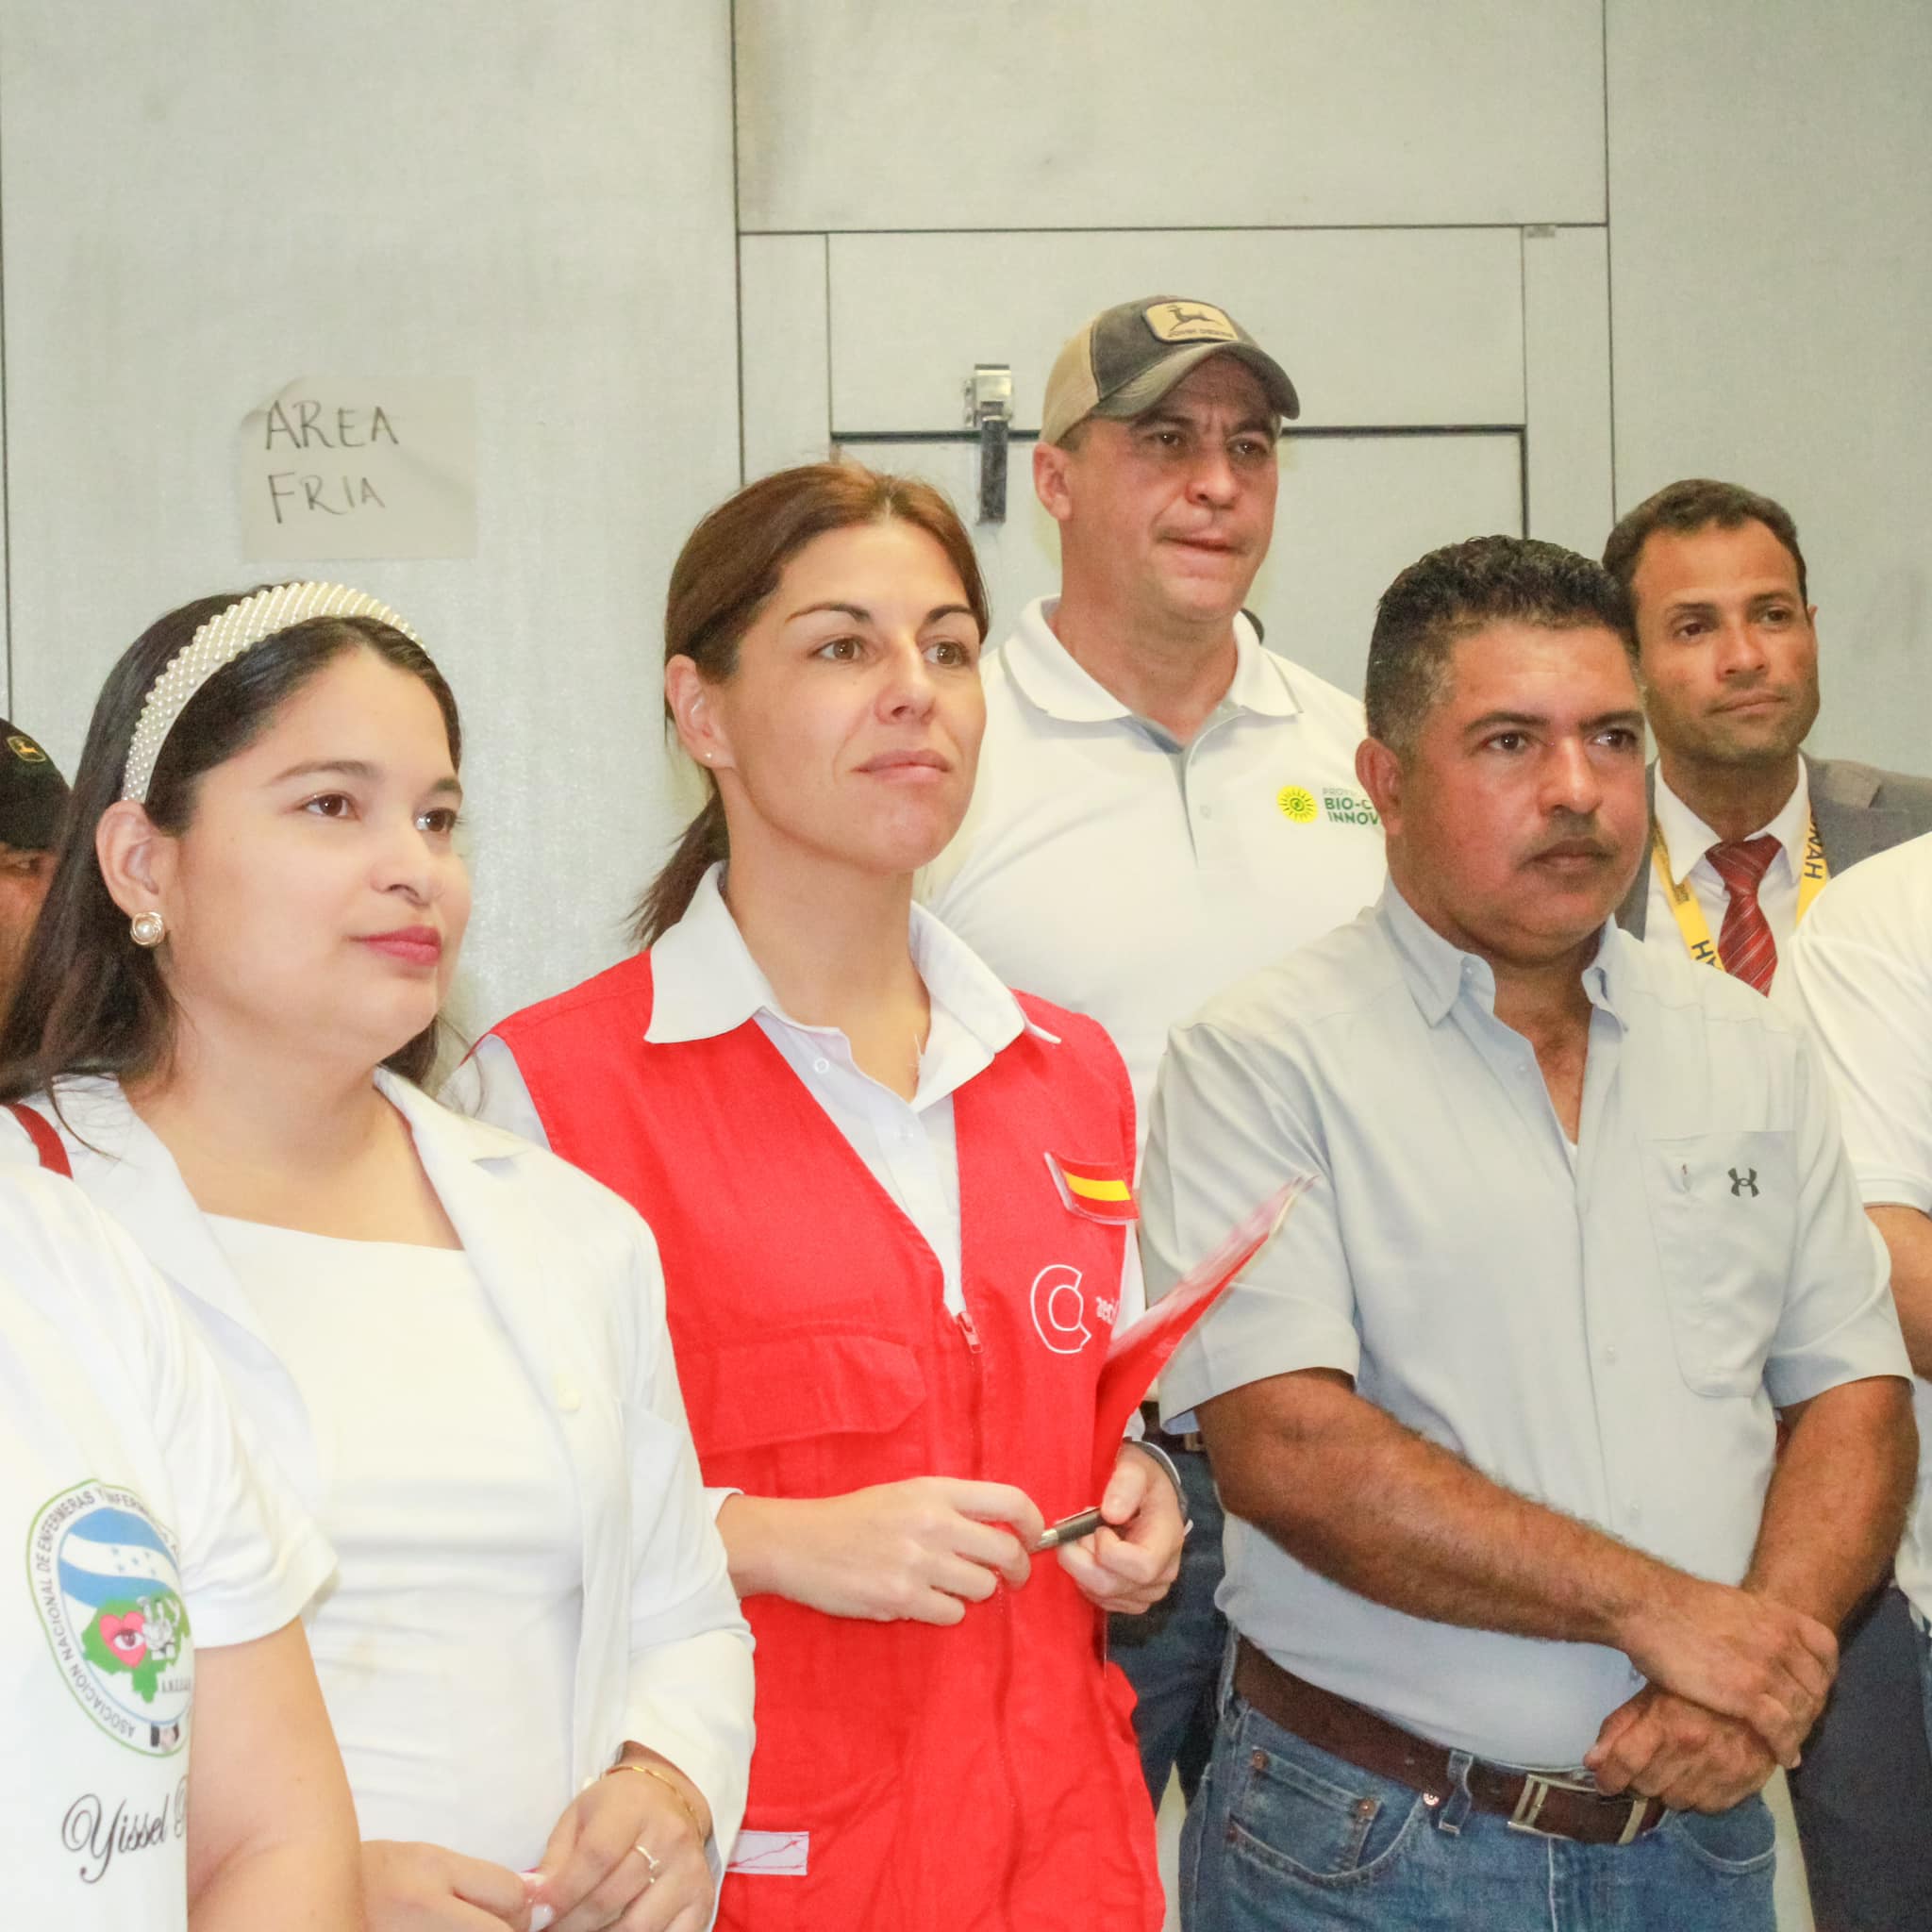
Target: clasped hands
(1736,1680)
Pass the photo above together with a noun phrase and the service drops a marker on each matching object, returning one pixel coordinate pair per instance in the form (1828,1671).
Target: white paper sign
(342,466)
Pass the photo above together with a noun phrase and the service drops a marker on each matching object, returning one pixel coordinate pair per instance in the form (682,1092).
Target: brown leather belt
(1550,1806)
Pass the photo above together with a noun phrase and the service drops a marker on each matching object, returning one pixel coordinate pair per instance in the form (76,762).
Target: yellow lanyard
(1692,923)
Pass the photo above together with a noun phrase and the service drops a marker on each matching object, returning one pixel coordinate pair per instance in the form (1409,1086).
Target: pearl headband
(219,642)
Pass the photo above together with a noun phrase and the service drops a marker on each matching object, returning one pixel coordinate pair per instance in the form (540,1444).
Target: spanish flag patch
(1100,1192)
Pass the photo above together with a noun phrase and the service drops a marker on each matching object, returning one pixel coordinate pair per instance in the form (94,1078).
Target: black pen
(1069,1529)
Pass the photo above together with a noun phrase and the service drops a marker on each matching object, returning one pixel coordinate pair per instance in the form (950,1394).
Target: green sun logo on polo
(1337,804)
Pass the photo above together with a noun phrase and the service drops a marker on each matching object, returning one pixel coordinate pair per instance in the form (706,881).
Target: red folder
(1139,1351)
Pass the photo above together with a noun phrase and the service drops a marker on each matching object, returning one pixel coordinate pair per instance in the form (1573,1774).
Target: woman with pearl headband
(453,1343)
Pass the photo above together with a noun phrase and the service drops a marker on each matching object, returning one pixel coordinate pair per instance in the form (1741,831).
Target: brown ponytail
(727,568)
(668,896)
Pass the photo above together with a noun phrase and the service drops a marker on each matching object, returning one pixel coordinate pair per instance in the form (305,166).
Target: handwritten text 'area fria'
(358,466)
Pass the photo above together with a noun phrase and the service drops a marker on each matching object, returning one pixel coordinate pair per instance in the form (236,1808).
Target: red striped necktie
(1749,951)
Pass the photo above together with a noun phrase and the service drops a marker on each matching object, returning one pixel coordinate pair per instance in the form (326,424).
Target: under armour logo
(1747,1179)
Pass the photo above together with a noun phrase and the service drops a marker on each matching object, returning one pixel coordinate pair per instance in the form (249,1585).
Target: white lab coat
(664,1657)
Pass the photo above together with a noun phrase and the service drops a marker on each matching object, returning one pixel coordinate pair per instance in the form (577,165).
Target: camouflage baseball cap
(33,794)
(1130,356)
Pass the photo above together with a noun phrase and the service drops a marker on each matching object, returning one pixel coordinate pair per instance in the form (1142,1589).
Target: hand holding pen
(1126,1553)
(1069,1529)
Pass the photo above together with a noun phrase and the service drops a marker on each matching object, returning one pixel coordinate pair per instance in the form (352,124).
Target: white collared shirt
(1607,1337)
(1116,872)
(1861,975)
(1688,840)
(705,982)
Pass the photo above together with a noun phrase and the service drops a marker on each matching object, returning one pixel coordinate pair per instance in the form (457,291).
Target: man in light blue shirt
(1529,1608)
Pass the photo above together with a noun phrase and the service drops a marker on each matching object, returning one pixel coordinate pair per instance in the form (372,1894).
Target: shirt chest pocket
(1723,1213)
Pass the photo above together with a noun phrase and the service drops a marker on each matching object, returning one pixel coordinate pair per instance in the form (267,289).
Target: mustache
(1575,838)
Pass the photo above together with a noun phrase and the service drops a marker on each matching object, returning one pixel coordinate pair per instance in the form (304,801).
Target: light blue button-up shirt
(1605,1327)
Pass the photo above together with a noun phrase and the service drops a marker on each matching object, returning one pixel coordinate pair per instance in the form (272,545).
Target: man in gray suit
(1745,829)
(1730,661)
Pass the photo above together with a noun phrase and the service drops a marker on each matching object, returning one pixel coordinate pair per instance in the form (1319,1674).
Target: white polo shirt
(1861,969)
(135,1532)
(1116,872)
(1609,1335)
(1688,838)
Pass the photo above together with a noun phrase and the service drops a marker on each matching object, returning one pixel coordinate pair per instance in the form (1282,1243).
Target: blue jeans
(1284,1836)
(1172,1655)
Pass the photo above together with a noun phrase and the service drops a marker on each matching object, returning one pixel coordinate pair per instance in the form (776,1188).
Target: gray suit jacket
(1858,809)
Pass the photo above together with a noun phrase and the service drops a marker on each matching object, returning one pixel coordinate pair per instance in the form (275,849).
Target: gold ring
(650,1858)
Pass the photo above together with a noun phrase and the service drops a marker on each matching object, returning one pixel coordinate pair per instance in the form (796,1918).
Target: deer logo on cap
(1190,322)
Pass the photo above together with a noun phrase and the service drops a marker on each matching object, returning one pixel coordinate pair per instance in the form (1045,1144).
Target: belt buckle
(1536,1791)
(1529,1805)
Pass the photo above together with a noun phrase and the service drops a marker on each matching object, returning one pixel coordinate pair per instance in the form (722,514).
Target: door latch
(989,410)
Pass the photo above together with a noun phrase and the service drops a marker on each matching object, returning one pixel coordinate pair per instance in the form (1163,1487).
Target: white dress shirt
(126,1493)
(1688,840)
(1861,968)
(705,982)
(1114,871)
(1608,1339)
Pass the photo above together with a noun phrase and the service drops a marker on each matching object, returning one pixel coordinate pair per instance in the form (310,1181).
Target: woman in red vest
(889,1310)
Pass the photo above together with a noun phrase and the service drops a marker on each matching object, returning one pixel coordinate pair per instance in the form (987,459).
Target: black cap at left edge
(33,794)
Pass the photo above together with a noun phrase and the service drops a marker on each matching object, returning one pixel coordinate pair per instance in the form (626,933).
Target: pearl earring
(147,928)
